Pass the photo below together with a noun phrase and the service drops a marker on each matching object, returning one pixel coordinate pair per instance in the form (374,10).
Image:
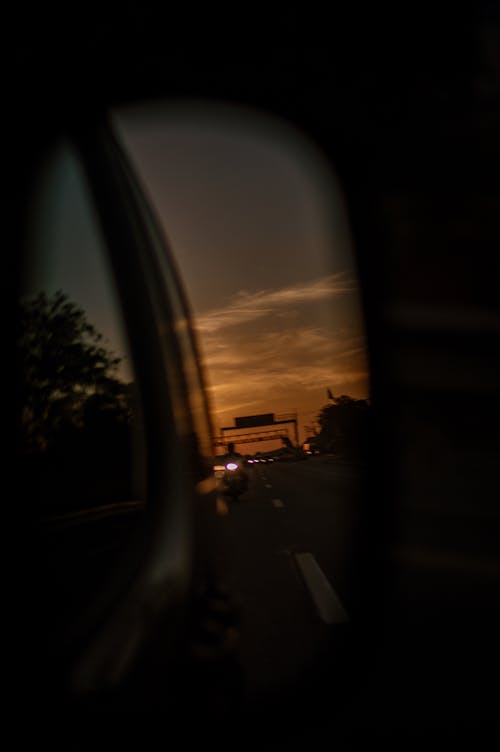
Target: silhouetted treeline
(344,425)
(75,416)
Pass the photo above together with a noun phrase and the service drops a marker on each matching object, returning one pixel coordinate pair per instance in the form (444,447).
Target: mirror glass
(257,224)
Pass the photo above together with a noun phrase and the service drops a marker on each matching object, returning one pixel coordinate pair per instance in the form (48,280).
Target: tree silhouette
(62,365)
(75,415)
(343,424)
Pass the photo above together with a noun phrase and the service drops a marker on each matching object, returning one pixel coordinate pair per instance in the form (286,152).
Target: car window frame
(122,618)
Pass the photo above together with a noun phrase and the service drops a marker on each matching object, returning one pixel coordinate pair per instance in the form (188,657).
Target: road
(290,552)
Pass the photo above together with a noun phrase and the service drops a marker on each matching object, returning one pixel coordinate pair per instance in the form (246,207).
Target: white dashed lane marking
(323,595)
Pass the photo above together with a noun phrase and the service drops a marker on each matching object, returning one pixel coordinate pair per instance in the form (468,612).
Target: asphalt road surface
(290,546)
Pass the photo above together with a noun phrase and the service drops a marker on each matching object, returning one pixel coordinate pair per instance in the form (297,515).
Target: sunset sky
(256,223)
(257,226)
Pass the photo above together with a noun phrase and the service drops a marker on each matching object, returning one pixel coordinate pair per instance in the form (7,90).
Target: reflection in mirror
(257,224)
(81,442)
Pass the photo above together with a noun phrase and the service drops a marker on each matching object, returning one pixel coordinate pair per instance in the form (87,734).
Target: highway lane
(290,550)
(321,504)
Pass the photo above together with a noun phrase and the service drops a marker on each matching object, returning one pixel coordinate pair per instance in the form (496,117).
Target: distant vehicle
(233,480)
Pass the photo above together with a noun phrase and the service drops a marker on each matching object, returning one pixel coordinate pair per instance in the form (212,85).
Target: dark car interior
(406,107)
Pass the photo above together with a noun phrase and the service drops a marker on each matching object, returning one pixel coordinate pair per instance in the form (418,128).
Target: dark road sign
(252,421)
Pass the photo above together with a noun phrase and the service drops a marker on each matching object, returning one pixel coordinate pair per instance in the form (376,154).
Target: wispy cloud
(245,307)
(285,358)
(246,374)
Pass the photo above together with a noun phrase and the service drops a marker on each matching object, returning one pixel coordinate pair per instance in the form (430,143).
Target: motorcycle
(233,480)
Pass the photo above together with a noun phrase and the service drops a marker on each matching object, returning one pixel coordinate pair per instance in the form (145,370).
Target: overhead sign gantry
(265,427)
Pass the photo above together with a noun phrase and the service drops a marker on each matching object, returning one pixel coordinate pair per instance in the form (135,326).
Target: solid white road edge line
(324,597)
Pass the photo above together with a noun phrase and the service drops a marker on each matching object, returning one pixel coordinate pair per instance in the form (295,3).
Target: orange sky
(257,225)
(278,351)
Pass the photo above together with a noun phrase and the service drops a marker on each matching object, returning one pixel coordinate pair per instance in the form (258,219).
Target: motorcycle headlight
(231,466)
